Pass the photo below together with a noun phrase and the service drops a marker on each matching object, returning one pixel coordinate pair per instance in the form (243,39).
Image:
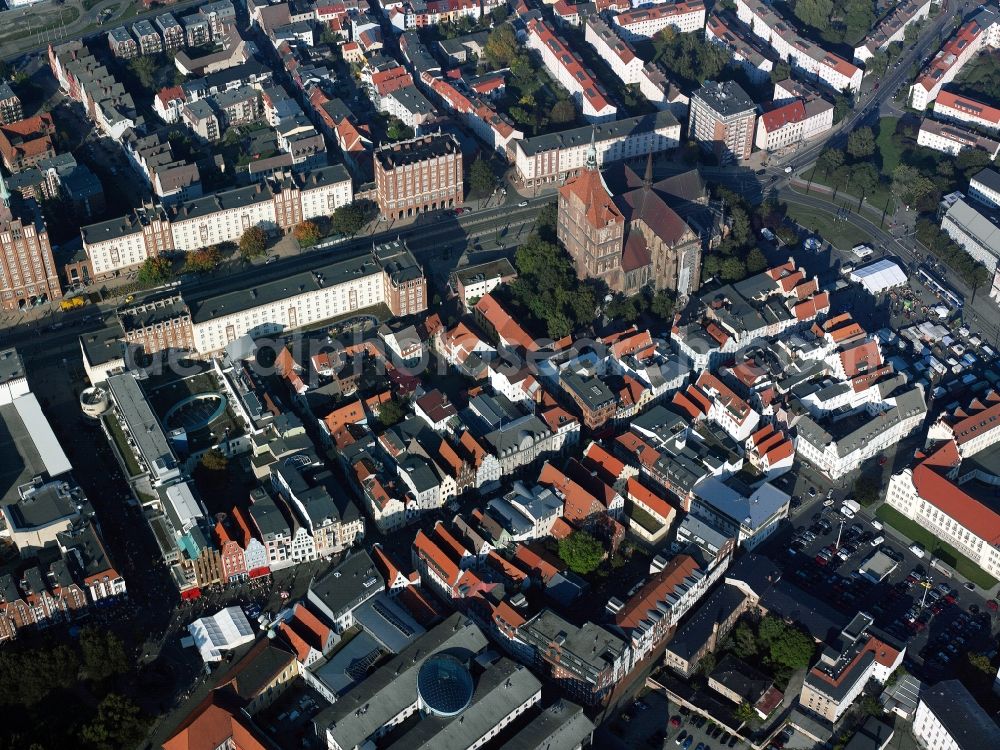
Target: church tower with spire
(27,269)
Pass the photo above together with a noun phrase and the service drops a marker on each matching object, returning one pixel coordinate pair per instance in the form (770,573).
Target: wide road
(437,242)
(981,313)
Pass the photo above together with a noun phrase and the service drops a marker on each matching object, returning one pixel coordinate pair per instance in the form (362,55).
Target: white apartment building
(951,139)
(124,243)
(567,68)
(650,20)
(389,274)
(985,188)
(804,56)
(792,123)
(954,108)
(556,156)
(980,32)
(977,233)
(884,424)
(948,718)
(746,50)
(614,50)
(892,28)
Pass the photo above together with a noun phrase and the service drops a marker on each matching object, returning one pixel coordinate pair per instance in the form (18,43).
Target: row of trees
(80,674)
(944,247)
(837,21)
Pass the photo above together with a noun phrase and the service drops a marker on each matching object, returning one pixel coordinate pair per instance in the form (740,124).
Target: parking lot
(938,621)
(651,721)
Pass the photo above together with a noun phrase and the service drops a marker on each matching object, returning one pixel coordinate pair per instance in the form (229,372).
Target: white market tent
(223,631)
(878,276)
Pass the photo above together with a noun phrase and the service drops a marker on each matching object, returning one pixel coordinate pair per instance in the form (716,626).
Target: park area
(838,233)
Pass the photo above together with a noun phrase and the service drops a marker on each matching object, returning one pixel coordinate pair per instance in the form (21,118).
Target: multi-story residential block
(892,28)
(554,157)
(122,43)
(389,275)
(978,232)
(586,661)
(220,16)
(475,281)
(196,30)
(419,175)
(86,80)
(10,104)
(954,108)
(329,517)
(846,667)
(952,139)
(567,68)
(158,325)
(477,112)
(792,122)
(985,188)
(211,219)
(722,120)
(804,56)
(982,31)
(27,270)
(614,50)
(949,718)
(747,515)
(25,143)
(150,41)
(756,59)
(844,444)
(201,119)
(172,32)
(644,22)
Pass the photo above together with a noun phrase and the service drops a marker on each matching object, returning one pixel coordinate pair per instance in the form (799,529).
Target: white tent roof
(878,276)
(223,631)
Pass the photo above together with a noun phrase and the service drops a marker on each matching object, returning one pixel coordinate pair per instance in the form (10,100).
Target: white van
(917,550)
(846,512)
(877,525)
(878,540)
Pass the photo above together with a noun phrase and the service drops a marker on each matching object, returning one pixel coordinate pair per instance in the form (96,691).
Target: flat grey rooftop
(28,447)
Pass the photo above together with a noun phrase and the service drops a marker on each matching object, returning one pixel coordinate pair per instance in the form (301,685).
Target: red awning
(259,572)
(191,594)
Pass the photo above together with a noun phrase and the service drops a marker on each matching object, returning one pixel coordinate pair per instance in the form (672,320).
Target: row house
(982,31)
(803,55)
(83,78)
(647,21)
(892,28)
(567,69)
(39,600)
(952,139)
(954,108)
(477,112)
(793,122)
(330,518)
(119,244)
(754,58)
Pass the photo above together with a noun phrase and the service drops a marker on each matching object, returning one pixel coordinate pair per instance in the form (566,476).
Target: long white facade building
(804,56)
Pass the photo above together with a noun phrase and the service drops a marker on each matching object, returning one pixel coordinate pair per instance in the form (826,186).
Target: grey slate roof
(354,581)
(964,719)
(561,726)
(602,132)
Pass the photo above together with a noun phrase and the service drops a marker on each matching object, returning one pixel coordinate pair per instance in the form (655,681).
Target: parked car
(681,737)
(917,550)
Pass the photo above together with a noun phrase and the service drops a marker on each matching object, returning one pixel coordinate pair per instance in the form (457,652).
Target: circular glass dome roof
(444,685)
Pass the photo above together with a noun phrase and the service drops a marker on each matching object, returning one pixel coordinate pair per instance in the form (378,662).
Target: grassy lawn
(123,448)
(945,552)
(888,147)
(839,233)
(643,518)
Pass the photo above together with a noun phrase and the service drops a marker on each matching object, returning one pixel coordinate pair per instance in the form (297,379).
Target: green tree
(733,269)
(982,663)
(786,645)
(118,724)
(878,64)
(348,220)
(746,713)
(144,68)
(397,130)
(815,13)
(780,71)
(563,111)
(103,654)
(307,233)
(756,261)
(864,179)
(27,678)
(392,412)
(154,271)
(841,106)
(744,641)
(581,552)
(909,185)
(253,243)
(861,143)
(202,261)
(868,489)
(502,46)
(481,177)
(214,460)
(740,222)
(830,160)
(662,305)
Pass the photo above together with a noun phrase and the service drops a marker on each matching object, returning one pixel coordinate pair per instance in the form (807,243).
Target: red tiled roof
(783,115)
(506,327)
(982,418)
(537,561)
(951,499)
(657,589)
(429,551)
(350,413)
(591,91)
(589,188)
(639,493)
(211,725)
(604,463)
